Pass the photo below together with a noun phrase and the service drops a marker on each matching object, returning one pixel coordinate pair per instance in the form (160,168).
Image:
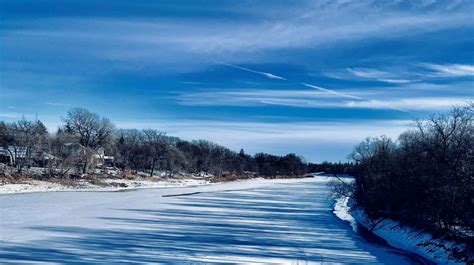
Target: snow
(34,186)
(342,210)
(398,236)
(244,222)
(113,185)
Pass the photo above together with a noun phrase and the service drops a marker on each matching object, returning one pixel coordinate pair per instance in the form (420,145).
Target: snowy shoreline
(35,186)
(398,236)
(116,184)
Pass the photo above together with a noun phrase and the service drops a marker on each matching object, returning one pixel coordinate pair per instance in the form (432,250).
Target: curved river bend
(251,222)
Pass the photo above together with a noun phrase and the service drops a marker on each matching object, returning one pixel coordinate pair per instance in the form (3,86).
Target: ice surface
(247,222)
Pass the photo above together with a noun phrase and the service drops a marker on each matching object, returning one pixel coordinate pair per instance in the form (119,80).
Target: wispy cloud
(413,103)
(268,75)
(326,90)
(317,99)
(272,76)
(11,115)
(173,40)
(331,140)
(369,73)
(450,70)
(404,74)
(58,104)
(212,129)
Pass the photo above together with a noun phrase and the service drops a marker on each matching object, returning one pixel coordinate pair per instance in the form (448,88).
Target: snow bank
(112,185)
(398,236)
(342,210)
(37,186)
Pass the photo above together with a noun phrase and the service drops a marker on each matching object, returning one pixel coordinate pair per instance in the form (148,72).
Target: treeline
(330,168)
(151,149)
(424,178)
(85,137)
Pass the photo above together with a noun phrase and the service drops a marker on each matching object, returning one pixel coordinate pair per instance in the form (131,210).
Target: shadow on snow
(264,225)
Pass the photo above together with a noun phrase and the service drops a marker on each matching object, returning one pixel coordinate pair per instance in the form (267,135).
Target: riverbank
(403,237)
(13,184)
(29,186)
(106,182)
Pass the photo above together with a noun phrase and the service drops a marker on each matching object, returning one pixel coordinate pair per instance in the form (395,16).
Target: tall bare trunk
(84,168)
(152,168)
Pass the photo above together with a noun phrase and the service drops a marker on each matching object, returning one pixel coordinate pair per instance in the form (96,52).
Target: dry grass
(12,178)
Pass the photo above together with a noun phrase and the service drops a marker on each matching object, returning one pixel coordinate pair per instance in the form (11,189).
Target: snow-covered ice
(246,222)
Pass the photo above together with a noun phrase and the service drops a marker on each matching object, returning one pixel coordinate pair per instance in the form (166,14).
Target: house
(5,157)
(12,154)
(100,159)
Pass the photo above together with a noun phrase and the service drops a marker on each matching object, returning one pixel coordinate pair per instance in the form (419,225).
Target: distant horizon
(313,78)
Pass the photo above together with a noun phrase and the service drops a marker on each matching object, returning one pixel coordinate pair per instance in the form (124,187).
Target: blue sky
(310,77)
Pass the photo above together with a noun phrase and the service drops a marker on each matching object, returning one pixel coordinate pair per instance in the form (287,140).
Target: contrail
(272,76)
(330,91)
(268,75)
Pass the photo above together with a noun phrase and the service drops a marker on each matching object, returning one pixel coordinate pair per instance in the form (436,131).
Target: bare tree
(130,146)
(63,154)
(156,146)
(29,141)
(90,131)
(426,177)
(175,159)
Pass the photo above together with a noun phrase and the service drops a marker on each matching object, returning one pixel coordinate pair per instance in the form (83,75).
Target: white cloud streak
(340,94)
(242,131)
(369,73)
(330,91)
(12,115)
(272,76)
(451,70)
(58,104)
(415,104)
(316,99)
(415,72)
(303,138)
(268,75)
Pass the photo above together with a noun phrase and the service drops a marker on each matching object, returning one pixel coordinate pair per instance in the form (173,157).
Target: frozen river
(257,221)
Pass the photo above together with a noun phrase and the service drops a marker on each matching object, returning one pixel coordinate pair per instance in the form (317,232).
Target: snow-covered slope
(398,236)
(112,185)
